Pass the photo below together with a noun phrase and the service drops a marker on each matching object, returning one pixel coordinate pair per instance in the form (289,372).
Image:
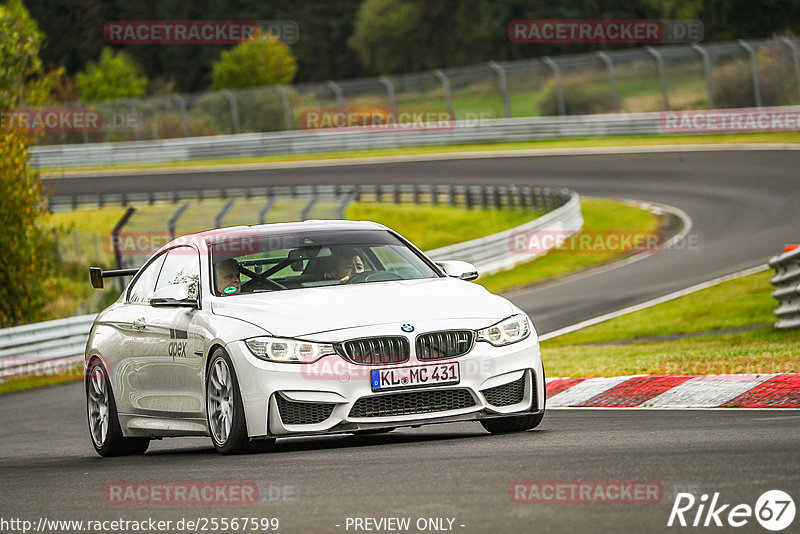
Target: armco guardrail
(43,348)
(340,140)
(787,279)
(494,253)
(48,347)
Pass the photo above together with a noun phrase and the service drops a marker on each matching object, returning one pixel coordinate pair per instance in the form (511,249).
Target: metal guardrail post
(787,281)
(503,84)
(754,69)
(434,198)
(237,127)
(224,211)
(562,107)
(387,84)
(310,205)
(184,114)
(115,240)
(337,92)
(612,80)
(262,215)
(342,210)
(288,121)
(173,221)
(707,69)
(661,75)
(793,47)
(448,98)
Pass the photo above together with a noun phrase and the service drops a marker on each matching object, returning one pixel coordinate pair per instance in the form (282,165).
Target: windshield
(314,259)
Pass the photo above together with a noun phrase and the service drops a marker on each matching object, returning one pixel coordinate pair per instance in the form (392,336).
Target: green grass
(598,216)
(777,137)
(430,227)
(19,383)
(742,302)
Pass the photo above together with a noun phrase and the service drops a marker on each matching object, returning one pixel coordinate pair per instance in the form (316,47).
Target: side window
(145,282)
(181,266)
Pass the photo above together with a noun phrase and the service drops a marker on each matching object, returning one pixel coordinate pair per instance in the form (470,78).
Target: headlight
(515,328)
(288,350)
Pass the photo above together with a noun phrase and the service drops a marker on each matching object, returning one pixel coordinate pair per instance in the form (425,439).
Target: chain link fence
(706,76)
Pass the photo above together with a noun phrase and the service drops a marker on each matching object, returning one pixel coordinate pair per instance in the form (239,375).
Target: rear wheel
(104,427)
(225,411)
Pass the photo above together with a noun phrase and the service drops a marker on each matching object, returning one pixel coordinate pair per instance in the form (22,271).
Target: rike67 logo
(774,510)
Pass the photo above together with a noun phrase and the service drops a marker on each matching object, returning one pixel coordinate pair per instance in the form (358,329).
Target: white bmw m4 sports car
(253,333)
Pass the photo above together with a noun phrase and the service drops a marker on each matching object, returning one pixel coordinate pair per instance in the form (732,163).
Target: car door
(125,323)
(177,382)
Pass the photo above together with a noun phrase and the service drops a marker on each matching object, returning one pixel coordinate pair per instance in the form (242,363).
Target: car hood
(304,312)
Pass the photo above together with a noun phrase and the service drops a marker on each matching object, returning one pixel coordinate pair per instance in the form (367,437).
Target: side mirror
(459,269)
(181,295)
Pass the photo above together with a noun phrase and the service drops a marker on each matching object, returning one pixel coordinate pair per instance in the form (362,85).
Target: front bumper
(334,396)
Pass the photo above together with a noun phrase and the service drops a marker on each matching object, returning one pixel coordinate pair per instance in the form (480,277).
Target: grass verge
(625,345)
(600,218)
(777,137)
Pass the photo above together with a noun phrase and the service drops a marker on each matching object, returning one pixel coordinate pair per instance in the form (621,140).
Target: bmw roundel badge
(407,328)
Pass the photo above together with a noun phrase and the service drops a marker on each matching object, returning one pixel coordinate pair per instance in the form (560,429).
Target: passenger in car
(226,275)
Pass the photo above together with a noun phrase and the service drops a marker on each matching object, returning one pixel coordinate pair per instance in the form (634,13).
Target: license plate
(420,375)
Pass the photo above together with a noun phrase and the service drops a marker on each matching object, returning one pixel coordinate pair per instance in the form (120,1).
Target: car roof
(276,229)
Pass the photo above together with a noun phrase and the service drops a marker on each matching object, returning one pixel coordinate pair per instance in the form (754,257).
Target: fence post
(287,107)
(262,215)
(307,209)
(237,128)
(503,84)
(562,106)
(707,68)
(387,84)
(173,221)
(795,60)
(661,75)
(115,240)
(225,209)
(337,91)
(448,98)
(754,69)
(184,114)
(612,80)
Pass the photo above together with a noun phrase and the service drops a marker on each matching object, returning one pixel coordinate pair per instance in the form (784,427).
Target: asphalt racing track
(744,207)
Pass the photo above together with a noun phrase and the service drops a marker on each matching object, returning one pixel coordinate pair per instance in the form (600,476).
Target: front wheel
(225,411)
(104,427)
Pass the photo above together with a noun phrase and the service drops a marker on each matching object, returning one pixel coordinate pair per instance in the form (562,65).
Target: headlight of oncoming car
(288,350)
(515,328)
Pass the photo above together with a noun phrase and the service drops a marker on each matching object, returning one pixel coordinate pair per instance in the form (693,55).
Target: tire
(502,425)
(225,411)
(104,428)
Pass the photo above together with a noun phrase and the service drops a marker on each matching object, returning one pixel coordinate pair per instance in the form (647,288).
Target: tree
(114,76)
(258,62)
(387,33)
(27,244)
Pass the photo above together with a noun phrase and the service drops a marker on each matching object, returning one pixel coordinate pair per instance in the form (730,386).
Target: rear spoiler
(96,275)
